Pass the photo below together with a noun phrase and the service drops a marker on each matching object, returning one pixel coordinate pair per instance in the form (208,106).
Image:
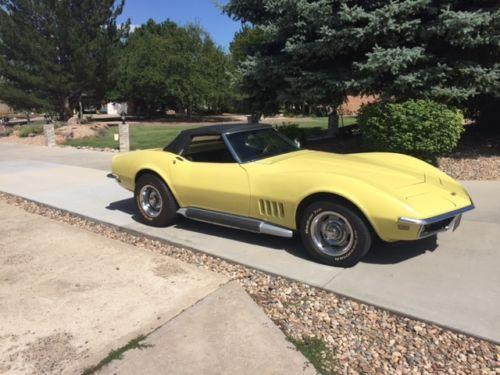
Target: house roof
(185,136)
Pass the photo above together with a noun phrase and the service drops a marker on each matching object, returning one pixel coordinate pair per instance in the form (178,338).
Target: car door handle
(178,158)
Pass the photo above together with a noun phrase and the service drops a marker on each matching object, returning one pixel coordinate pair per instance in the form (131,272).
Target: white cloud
(133,27)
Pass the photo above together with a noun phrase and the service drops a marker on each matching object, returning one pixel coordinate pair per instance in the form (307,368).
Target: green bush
(26,130)
(421,128)
(294,131)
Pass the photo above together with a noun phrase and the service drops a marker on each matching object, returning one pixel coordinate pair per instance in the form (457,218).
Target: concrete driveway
(69,297)
(451,280)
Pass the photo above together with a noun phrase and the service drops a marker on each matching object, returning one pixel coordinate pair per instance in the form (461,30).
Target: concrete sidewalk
(69,297)
(452,280)
(225,333)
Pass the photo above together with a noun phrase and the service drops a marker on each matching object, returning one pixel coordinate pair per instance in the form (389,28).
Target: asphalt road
(451,280)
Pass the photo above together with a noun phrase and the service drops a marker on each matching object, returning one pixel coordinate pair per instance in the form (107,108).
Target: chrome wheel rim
(150,201)
(332,233)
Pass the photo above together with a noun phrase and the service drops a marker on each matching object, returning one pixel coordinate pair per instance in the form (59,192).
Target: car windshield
(260,144)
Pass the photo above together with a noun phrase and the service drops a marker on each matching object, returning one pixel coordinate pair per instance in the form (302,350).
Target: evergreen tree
(320,50)
(53,51)
(254,79)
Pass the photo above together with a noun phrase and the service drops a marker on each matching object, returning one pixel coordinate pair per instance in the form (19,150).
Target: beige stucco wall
(354,103)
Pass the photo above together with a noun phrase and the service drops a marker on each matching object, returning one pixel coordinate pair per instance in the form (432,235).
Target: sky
(204,12)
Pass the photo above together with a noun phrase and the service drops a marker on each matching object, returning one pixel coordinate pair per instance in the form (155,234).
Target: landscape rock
(73,121)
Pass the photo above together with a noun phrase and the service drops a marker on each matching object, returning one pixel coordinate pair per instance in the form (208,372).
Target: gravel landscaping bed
(353,337)
(471,167)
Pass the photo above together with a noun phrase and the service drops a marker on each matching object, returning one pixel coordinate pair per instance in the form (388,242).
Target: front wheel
(334,233)
(154,201)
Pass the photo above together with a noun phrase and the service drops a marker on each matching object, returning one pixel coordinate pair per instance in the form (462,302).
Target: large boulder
(73,121)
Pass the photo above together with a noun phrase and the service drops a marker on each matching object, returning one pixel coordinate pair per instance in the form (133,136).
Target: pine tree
(53,51)
(320,50)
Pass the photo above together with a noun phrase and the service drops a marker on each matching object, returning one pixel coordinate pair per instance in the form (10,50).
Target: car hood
(383,170)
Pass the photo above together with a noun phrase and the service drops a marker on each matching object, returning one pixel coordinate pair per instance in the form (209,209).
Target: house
(353,104)
(114,108)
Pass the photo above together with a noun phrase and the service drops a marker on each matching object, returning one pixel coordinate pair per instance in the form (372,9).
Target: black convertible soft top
(185,136)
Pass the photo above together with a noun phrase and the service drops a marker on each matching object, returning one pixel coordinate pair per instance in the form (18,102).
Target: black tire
(167,213)
(353,251)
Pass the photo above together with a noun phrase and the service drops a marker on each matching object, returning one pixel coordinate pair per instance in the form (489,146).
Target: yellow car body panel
(383,186)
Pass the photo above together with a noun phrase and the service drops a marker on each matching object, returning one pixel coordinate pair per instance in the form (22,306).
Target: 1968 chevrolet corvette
(253,178)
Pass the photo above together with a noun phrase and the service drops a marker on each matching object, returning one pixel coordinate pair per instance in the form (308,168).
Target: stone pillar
(50,135)
(123,130)
(254,118)
(333,123)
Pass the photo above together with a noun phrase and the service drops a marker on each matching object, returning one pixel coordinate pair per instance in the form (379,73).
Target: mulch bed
(358,338)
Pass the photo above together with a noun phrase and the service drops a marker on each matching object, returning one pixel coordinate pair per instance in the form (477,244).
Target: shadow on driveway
(392,253)
(381,253)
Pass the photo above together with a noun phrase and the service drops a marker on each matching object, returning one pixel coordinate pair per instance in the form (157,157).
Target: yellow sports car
(253,178)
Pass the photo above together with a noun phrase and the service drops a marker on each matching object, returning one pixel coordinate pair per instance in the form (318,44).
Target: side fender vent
(271,208)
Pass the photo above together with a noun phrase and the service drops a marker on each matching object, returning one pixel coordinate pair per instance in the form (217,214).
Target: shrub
(421,128)
(293,131)
(26,130)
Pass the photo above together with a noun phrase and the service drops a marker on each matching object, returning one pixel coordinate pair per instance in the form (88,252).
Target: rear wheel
(334,233)
(154,201)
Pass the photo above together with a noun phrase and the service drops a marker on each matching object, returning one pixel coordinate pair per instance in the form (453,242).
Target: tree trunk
(66,110)
(254,118)
(306,110)
(80,108)
(149,110)
(189,111)
(28,117)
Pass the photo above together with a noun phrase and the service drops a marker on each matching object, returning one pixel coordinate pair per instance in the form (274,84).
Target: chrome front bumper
(436,224)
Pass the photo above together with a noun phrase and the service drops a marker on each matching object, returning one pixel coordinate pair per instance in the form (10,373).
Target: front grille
(438,226)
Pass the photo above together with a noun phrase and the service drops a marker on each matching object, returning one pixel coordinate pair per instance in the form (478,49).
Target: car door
(206,176)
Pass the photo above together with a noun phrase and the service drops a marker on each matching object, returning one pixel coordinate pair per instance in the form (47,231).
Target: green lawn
(141,137)
(159,135)
(322,122)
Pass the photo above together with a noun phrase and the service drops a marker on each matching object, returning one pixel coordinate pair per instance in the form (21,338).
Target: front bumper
(430,226)
(113,176)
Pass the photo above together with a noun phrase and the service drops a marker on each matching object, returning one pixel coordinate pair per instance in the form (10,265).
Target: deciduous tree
(168,65)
